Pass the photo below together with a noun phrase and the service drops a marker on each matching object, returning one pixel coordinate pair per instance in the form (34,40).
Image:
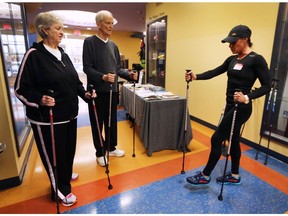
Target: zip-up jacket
(41,71)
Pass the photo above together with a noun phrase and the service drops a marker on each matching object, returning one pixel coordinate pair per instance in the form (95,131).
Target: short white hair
(101,15)
(45,20)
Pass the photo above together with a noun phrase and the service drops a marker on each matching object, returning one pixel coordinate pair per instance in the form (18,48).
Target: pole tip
(220,197)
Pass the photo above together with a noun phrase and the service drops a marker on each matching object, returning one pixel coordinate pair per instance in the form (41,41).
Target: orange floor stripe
(97,190)
(161,165)
(265,173)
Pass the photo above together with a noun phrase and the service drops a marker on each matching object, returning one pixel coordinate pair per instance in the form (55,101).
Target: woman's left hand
(88,94)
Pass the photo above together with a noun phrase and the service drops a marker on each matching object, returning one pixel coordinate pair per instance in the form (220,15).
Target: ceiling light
(71,17)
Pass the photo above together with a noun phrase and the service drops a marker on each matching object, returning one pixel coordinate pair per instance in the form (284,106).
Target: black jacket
(41,71)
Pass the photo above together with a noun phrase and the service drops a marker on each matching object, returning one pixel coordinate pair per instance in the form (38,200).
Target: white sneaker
(74,176)
(117,153)
(101,162)
(69,200)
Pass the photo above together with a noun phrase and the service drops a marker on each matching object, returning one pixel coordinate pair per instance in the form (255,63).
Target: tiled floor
(144,185)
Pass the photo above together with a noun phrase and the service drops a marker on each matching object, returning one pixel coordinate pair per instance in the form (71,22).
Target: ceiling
(130,16)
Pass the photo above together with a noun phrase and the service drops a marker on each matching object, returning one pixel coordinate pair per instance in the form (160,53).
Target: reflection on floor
(144,185)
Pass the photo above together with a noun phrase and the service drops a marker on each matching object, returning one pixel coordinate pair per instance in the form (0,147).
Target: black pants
(65,136)
(102,102)
(222,133)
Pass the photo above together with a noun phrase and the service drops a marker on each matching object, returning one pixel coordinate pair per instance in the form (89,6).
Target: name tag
(238,66)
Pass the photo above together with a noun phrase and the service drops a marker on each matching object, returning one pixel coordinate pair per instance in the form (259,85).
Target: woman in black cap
(243,68)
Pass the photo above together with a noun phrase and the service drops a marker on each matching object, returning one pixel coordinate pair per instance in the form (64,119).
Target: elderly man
(102,64)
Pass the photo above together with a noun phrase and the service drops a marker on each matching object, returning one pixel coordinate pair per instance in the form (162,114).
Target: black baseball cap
(239,31)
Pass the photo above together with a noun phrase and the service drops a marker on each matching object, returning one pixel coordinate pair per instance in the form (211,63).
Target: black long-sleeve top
(242,74)
(41,71)
(101,58)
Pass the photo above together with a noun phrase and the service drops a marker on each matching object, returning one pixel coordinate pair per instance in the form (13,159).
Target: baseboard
(10,182)
(17,180)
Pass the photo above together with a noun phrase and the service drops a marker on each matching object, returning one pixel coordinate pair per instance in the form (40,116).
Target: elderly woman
(45,67)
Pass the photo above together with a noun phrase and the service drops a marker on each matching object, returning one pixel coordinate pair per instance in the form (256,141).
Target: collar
(105,41)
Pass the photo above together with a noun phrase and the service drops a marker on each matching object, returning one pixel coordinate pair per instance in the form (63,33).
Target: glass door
(13,41)
(156,52)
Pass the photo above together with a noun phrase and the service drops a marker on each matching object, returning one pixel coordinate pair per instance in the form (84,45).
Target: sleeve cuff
(246,99)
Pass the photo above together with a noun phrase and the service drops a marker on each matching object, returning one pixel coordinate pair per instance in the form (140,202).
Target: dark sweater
(242,74)
(41,71)
(100,58)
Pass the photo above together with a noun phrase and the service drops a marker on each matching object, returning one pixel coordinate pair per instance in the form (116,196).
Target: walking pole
(90,89)
(51,94)
(109,121)
(185,126)
(224,147)
(220,197)
(271,111)
(133,118)
(270,108)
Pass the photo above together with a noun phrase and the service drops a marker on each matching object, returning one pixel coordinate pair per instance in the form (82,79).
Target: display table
(160,116)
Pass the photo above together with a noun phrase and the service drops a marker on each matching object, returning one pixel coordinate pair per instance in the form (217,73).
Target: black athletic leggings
(223,133)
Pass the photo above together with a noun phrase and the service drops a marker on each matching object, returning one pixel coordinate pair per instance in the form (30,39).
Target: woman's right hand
(190,76)
(47,101)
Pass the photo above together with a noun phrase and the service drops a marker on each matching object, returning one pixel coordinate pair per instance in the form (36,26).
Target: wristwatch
(246,99)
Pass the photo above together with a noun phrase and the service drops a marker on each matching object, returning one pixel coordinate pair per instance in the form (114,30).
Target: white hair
(101,15)
(45,20)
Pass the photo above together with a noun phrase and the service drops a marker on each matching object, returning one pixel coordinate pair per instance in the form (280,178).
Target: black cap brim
(230,39)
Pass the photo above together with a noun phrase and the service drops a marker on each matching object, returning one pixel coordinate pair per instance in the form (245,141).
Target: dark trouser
(65,136)
(223,132)
(102,102)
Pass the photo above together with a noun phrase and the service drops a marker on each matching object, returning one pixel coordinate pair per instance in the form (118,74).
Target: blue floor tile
(121,115)
(175,196)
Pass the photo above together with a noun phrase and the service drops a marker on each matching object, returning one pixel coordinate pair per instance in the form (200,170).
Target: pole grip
(90,88)
(50,93)
(187,71)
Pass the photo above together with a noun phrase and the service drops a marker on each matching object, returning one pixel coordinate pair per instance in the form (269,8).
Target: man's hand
(109,77)
(133,75)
